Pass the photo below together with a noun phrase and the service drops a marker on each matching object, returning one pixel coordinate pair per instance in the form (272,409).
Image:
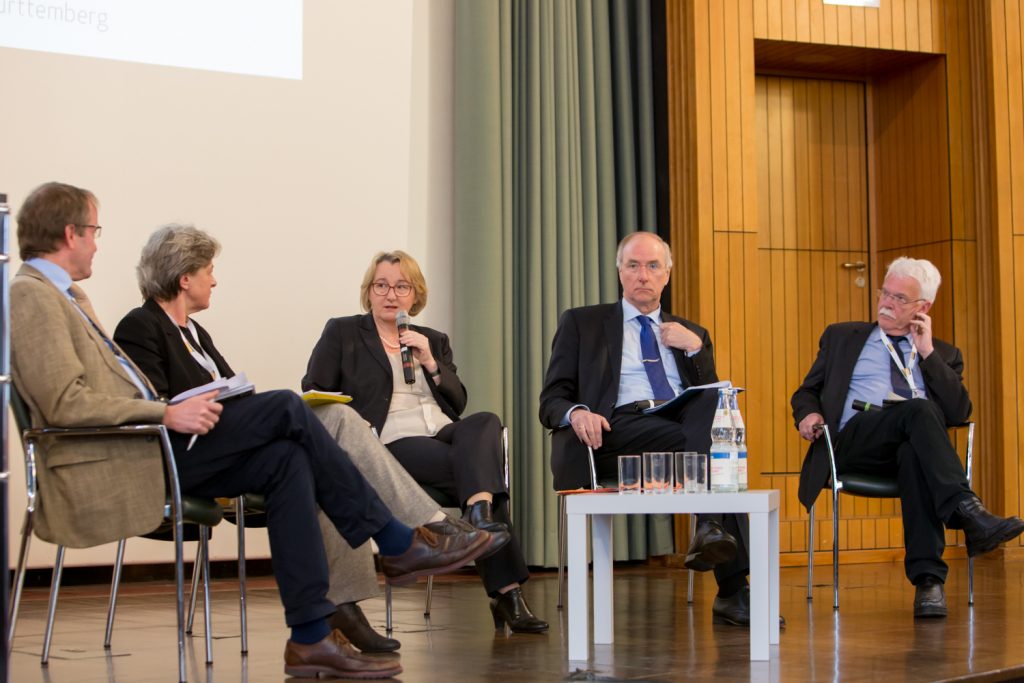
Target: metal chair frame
(388,615)
(562,518)
(172,512)
(840,487)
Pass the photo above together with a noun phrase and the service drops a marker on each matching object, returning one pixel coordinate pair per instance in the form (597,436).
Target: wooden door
(813,250)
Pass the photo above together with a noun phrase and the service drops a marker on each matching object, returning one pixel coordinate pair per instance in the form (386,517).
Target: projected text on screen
(257,37)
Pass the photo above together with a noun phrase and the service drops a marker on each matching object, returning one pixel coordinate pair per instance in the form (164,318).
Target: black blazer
(826,385)
(586,359)
(350,357)
(153,341)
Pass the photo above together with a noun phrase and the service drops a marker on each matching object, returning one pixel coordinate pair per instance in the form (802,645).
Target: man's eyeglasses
(634,267)
(99,228)
(899,299)
(382,288)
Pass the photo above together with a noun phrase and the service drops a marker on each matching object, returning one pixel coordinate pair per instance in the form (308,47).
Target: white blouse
(413,411)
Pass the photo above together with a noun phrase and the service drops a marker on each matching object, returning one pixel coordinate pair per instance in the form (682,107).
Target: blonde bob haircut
(410,271)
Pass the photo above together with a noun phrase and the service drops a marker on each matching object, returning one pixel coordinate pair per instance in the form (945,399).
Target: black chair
(178,510)
(595,483)
(869,486)
(451,506)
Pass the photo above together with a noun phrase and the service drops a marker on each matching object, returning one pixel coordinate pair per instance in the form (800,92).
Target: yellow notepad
(319,398)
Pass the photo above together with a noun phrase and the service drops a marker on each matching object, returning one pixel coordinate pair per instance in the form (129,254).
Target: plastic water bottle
(740,438)
(724,456)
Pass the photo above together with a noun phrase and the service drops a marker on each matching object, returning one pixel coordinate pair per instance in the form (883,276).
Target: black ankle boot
(983,530)
(511,608)
(350,620)
(479,515)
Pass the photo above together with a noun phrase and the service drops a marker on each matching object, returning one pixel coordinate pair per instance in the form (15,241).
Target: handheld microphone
(864,406)
(408,370)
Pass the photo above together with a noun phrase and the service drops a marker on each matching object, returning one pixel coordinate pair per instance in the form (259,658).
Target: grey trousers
(352,574)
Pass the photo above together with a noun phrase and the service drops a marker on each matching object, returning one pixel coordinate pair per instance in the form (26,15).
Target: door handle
(859,266)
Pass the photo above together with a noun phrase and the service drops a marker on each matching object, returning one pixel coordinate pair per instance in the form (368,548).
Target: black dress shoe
(735,610)
(711,545)
(511,608)
(983,530)
(350,620)
(449,526)
(479,515)
(929,599)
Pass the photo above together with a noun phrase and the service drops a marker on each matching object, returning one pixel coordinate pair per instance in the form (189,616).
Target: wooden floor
(658,636)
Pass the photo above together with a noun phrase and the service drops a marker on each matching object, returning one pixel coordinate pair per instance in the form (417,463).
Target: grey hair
(926,274)
(173,251)
(633,235)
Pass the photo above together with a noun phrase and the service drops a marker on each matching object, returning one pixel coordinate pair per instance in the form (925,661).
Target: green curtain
(554,163)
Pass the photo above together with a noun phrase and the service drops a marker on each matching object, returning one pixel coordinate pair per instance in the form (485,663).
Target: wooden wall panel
(964,108)
(910,141)
(911,25)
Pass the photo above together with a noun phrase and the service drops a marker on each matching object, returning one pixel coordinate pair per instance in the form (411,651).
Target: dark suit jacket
(586,359)
(827,383)
(154,343)
(350,357)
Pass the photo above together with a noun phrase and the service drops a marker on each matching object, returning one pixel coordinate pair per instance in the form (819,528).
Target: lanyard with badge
(906,370)
(197,351)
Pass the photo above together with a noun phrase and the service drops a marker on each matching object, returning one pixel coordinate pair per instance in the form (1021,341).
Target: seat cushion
(869,486)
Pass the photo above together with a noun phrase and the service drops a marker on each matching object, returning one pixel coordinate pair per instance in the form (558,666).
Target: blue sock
(310,632)
(394,539)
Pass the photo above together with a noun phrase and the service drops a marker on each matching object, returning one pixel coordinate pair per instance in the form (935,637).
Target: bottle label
(741,471)
(723,470)
(722,420)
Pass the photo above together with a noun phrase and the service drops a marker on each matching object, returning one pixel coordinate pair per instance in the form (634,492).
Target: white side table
(761,506)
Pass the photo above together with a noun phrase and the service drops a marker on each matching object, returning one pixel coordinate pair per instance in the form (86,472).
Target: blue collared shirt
(634,385)
(62,281)
(872,380)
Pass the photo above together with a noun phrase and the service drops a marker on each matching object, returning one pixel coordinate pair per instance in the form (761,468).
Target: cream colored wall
(301,181)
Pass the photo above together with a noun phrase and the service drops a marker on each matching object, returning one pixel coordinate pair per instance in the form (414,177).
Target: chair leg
(204,540)
(387,607)
(194,591)
(561,551)
(51,608)
(430,595)
(689,572)
(179,593)
(19,582)
(242,617)
(810,555)
(835,550)
(970,580)
(115,583)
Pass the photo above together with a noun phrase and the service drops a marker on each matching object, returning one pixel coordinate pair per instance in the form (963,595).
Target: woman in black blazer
(420,421)
(177,354)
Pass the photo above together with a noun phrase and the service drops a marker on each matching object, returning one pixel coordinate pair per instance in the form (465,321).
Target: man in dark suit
(607,360)
(897,358)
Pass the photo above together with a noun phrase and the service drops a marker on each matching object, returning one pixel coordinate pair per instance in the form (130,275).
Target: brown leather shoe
(449,526)
(432,553)
(334,656)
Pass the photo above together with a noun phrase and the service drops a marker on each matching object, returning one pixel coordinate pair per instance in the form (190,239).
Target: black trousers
(634,433)
(464,458)
(909,441)
(272,444)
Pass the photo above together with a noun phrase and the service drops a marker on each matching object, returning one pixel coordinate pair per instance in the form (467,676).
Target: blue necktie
(650,356)
(900,386)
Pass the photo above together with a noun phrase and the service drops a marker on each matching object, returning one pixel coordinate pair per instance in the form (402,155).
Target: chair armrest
(590,457)
(30,436)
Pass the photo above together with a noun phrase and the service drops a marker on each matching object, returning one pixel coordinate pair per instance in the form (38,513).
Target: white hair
(926,274)
(633,235)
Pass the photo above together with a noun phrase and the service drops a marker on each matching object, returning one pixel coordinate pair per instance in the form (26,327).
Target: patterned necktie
(81,300)
(650,356)
(900,386)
